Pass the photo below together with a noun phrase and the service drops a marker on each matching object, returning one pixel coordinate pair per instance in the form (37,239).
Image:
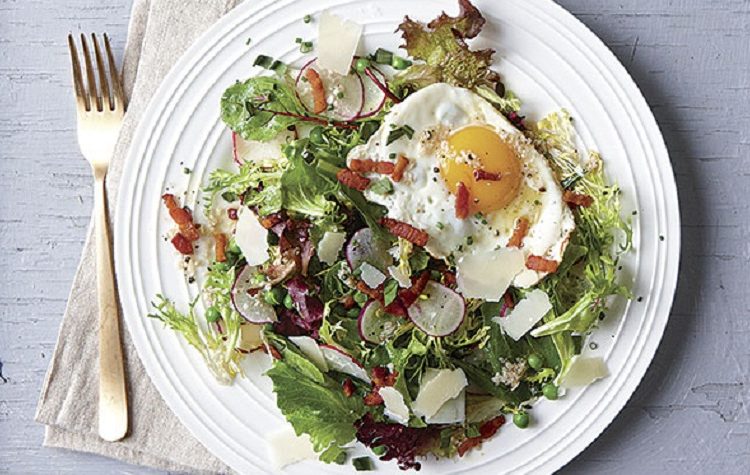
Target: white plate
(545,55)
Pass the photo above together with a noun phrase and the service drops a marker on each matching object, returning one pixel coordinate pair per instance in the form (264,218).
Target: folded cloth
(159,32)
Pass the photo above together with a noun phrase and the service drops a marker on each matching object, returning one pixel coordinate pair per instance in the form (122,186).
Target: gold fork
(100,113)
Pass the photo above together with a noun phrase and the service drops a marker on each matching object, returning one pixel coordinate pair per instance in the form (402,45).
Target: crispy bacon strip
(483,175)
(382,377)
(462,201)
(577,199)
(375,294)
(181,217)
(220,247)
(366,165)
(318,91)
(271,220)
(398,171)
(410,295)
(352,179)
(373,398)
(406,231)
(541,264)
(348,387)
(522,227)
(182,244)
(486,430)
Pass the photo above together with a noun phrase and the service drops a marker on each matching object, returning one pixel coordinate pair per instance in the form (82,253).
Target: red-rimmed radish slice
(374,96)
(250,337)
(247,298)
(339,360)
(255,151)
(344,94)
(376,326)
(365,247)
(438,311)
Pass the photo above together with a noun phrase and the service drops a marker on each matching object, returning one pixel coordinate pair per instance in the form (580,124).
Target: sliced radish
(309,347)
(256,151)
(250,337)
(247,300)
(365,247)
(376,326)
(440,313)
(339,360)
(345,94)
(374,96)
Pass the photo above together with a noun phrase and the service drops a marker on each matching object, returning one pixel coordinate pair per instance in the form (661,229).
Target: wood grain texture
(691,59)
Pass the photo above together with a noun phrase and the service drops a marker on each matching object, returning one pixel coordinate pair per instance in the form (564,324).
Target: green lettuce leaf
(316,407)
(261,107)
(263,177)
(441,45)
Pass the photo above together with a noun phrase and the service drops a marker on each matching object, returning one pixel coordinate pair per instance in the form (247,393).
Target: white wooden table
(691,58)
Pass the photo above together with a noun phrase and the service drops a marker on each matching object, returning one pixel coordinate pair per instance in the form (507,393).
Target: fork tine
(90,79)
(103,82)
(118,93)
(81,98)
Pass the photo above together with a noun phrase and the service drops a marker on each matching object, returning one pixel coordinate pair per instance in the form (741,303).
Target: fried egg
(450,135)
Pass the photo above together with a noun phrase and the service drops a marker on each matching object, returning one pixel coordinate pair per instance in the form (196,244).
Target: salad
(420,262)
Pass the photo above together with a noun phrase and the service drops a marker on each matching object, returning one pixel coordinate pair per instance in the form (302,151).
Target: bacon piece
(541,264)
(406,231)
(486,430)
(232,214)
(271,220)
(398,170)
(182,244)
(577,199)
(366,165)
(220,247)
(352,179)
(410,295)
(348,387)
(348,302)
(318,91)
(483,175)
(373,398)
(522,227)
(182,218)
(381,377)
(375,294)
(271,350)
(462,201)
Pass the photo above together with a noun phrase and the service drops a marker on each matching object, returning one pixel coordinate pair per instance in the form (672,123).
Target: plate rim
(206,42)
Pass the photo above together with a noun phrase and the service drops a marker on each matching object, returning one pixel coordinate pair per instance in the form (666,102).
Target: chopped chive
(472,431)
(247,42)
(263,61)
(362,464)
(379,450)
(400,63)
(383,56)
(306,47)
(186,171)
(307,18)
(440,226)
(399,132)
(382,186)
(298,40)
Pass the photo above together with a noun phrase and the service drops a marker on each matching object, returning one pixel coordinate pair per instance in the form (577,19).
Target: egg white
(423,200)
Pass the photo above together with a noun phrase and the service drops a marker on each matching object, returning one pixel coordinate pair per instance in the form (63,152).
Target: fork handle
(113,403)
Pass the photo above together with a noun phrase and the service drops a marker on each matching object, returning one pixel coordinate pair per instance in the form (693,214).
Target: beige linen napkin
(159,32)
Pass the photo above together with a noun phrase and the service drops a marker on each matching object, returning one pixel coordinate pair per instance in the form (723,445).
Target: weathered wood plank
(691,59)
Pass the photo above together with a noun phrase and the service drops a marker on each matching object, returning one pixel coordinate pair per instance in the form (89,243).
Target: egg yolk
(479,149)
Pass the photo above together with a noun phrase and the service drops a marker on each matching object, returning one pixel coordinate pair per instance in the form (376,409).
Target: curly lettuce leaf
(218,349)
(587,277)
(261,107)
(441,44)
(263,177)
(303,189)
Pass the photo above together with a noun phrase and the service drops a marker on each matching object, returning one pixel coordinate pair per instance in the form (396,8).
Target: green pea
(212,314)
(288,302)
(379,450)
(360,298)
(535,361)
(233,248)
(361,64)
(316,135)
(550,391)
(400,63)
(521,419)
